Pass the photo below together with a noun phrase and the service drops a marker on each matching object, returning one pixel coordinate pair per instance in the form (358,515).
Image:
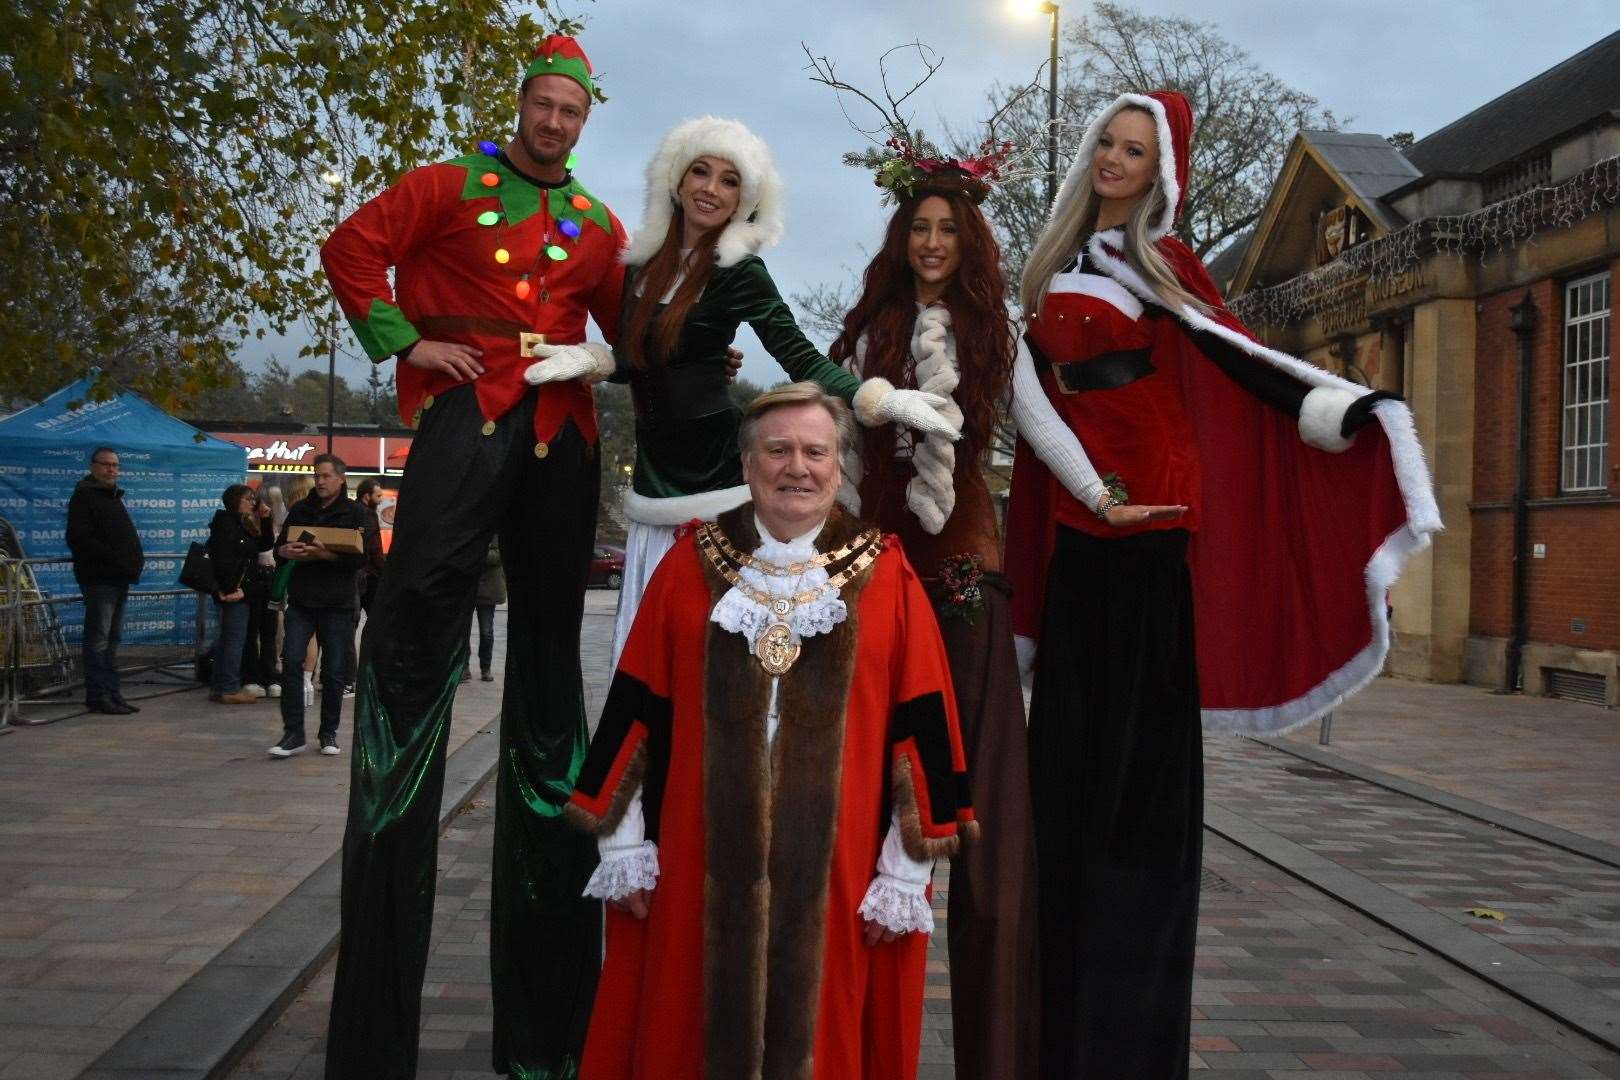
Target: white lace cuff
(619,876)
(900,906)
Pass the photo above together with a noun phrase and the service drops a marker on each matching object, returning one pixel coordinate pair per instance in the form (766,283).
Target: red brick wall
(1580,577)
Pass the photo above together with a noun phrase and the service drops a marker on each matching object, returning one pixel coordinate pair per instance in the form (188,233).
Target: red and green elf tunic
(480,252)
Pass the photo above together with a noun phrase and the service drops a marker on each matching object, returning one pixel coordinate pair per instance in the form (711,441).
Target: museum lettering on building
(1441,272)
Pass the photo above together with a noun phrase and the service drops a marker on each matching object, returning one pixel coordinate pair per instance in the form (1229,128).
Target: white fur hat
(758,221)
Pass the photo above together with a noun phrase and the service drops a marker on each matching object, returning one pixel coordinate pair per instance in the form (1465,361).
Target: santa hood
(1174,120)
(758,221)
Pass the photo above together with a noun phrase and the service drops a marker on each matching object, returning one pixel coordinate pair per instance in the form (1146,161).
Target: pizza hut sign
(281,451)
(275,452)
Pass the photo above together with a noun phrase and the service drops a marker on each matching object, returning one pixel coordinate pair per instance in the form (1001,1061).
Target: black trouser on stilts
(460,486)
(1117,785)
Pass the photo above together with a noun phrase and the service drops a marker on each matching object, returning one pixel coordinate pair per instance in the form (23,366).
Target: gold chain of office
(776,650)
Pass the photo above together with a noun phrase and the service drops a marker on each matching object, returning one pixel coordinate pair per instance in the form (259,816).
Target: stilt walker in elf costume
(498,256)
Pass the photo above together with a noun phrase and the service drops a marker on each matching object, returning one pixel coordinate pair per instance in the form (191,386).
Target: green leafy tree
(162,164)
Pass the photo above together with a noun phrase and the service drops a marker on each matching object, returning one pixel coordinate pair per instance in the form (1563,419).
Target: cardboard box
(341,541)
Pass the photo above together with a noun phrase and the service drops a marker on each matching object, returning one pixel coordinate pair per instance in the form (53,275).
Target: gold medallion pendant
(776,650)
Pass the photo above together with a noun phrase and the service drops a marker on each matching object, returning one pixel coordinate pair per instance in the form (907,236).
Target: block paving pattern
(1563,909)
(1548,759)
(133,850)
(1290,984)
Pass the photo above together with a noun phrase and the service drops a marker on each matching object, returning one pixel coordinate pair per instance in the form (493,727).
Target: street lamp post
(1046,7)
(334,180)
(1051,111)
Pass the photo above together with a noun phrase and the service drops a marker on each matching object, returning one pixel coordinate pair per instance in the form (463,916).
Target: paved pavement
(1546,758)
(133,851)
(1290,984)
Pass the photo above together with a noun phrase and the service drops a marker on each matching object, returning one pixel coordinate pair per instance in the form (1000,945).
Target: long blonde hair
(1072,225)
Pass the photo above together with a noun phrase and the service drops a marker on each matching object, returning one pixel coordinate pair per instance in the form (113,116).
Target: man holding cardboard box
(322,535)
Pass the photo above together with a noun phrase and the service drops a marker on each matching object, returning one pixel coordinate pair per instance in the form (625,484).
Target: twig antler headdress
(905,162)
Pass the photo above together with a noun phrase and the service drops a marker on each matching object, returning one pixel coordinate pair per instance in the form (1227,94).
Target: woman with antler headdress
(932,315)
(714,199)
(1229,566)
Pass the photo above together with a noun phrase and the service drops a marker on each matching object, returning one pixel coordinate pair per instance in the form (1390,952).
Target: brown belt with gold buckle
(437,327)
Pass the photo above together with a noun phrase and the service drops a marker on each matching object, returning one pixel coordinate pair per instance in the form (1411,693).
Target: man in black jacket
(107,560)
(320,601)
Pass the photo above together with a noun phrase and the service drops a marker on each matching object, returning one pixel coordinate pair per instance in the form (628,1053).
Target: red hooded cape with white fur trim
(1295,547)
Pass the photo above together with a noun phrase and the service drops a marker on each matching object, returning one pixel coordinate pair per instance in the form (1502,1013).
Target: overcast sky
(1383,65)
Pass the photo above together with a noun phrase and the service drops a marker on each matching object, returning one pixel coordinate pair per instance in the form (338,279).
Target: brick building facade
(1429,272)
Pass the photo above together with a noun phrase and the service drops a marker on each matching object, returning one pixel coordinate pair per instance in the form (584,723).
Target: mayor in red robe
(779,806)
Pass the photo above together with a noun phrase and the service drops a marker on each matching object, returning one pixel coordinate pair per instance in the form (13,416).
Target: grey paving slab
(1546,759)
(1289,983)
(1479,811)
(1420,869)
(136,852)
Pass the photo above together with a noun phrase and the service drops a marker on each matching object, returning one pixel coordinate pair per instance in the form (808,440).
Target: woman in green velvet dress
(713,201)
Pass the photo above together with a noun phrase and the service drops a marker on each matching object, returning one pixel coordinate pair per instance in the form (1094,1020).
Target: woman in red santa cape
(1201,528)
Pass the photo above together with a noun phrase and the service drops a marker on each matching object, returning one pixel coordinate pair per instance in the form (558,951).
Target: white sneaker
(329,746)
(273,690)
(253,688)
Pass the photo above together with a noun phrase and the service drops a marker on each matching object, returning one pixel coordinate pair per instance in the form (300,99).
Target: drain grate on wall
(1577,685)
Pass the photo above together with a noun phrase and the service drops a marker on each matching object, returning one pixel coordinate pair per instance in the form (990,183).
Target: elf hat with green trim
(561,55)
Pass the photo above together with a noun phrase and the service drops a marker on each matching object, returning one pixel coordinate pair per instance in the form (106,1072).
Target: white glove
(589,360)
(879,401)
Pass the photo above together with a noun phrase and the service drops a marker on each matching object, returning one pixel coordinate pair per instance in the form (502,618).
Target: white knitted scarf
(931,493)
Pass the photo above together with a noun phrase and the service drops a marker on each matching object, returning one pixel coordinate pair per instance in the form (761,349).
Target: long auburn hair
(654,280)
(976,298)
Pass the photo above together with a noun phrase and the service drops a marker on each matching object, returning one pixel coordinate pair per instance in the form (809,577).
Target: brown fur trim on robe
(920,847)
(770,813)
(629,785)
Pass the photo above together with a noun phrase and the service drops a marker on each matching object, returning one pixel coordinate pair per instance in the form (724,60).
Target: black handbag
(198,570)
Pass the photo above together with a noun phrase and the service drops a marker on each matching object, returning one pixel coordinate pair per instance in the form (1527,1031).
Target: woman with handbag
(235,538)
(258,671)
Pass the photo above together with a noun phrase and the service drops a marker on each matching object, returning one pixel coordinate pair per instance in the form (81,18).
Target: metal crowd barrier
(41,659)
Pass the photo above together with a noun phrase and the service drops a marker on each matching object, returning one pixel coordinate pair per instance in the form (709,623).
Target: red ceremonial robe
(752,961)
(444,229)
(1293,549)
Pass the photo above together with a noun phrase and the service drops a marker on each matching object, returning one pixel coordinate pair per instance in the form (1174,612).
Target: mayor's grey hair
(798,393)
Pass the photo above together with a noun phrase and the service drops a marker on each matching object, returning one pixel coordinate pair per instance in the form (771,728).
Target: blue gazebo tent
(172,476)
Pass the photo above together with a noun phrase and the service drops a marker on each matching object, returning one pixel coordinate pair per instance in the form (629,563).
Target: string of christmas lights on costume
(568,223)
(1502,224)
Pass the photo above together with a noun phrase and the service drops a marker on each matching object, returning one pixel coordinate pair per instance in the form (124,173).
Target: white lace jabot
(738,613)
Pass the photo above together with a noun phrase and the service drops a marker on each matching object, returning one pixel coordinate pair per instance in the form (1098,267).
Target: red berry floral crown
(905,168)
